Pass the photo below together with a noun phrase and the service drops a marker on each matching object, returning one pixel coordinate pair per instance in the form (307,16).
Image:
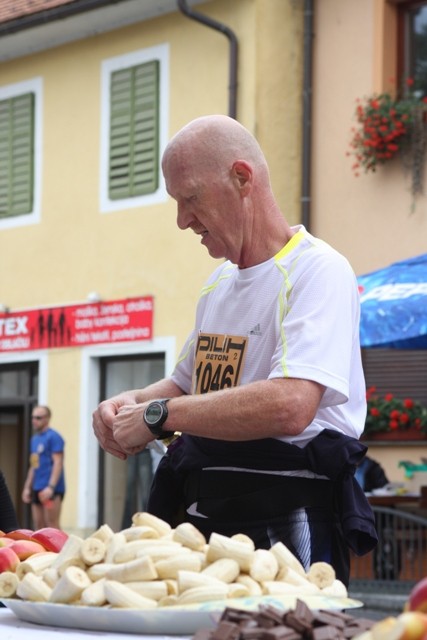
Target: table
(392,500)
(12,628)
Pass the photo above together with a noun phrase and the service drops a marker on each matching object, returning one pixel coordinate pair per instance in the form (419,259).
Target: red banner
(77,325)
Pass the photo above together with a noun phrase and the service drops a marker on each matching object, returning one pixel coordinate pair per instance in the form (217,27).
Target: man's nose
(184,217)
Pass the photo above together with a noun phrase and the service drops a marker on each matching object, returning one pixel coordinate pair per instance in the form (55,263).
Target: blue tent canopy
(394,305)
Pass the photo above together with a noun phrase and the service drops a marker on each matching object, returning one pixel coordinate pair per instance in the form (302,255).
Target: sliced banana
(152,565)
(321,574)
(70,585)
(119,595)
(264,565)
(93,550)
(8,584)
(32,587)
(189,536)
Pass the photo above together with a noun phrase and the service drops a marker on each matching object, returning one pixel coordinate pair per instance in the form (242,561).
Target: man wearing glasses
(44,486)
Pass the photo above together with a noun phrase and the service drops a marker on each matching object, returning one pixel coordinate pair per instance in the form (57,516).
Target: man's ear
(242,173)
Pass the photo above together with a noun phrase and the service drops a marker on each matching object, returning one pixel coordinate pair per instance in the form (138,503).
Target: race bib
(34,460)
(219,362)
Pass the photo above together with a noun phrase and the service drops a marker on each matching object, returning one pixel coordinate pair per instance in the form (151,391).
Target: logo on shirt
(256,330)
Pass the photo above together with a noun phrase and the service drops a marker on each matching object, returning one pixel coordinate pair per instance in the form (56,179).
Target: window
(134,138)
(20,148)
(412,41)
(402,372)
(133,128)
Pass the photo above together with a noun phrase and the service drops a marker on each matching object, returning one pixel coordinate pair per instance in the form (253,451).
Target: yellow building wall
(75,249)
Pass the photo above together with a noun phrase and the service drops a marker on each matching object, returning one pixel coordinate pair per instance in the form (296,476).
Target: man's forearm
(29,479)
(58,462)
(268,408)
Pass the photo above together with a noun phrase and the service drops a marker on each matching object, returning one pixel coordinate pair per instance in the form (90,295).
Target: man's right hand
(102,422)
(26,495)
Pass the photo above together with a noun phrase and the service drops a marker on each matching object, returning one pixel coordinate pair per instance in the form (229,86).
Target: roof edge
(45,16)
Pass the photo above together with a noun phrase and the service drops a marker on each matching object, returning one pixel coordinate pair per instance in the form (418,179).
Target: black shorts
(35,496)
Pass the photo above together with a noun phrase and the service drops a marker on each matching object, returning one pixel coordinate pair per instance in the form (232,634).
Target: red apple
(415,625)
(8,559)
(417,600)
(5,542)
(26,548)
(52,539)
(19,534)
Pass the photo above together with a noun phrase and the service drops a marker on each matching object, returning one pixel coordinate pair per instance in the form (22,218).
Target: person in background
(8,518)
(268,394)
(370,475)
(44,486)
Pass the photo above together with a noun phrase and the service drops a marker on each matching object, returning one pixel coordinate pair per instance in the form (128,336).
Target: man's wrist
(51,486)
(155,416)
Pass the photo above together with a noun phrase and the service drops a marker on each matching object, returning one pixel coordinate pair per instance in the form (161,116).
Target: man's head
(40,417)
(216,171)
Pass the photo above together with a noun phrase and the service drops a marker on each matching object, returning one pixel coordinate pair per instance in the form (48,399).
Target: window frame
(135,58)
(403,63)
(35,86)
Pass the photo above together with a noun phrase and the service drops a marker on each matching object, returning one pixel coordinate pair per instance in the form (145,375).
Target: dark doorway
(18,394)
(119,374)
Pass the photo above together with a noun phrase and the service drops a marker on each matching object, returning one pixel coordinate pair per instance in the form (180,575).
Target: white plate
(165,621)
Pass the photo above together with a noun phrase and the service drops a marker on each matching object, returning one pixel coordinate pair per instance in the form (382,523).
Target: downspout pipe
(213,24)
(306,115)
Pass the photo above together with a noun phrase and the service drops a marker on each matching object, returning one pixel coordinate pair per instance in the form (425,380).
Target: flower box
(390,125)
(393,419)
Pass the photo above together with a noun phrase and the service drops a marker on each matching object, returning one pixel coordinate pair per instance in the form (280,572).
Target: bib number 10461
(219,362)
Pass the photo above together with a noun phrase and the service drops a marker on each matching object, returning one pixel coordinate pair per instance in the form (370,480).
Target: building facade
(98,285)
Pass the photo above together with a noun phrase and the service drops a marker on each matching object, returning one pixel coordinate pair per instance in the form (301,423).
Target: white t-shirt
(293,316)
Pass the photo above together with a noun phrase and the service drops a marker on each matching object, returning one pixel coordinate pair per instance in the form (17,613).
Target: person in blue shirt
(44,486)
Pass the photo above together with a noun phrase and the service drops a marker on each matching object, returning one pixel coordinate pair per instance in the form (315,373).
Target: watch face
(154,412)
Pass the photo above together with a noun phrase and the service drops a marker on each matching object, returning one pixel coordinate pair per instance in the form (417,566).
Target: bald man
(268,393)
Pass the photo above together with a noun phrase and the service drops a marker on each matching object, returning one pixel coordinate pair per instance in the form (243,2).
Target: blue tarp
(394,305)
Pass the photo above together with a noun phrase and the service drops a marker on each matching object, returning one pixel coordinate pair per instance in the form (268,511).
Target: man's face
(209,204)
(39,419)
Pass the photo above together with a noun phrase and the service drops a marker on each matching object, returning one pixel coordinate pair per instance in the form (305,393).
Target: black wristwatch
(155,415)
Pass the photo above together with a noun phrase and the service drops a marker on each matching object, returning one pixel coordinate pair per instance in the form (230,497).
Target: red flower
(383,120)
(371,390)
(388,413)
